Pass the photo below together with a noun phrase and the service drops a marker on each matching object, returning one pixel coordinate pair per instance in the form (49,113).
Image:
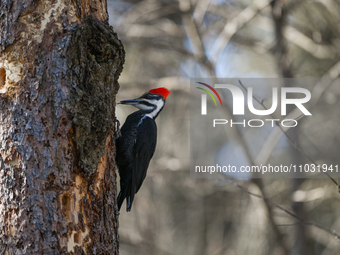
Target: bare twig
(234,25)
(292,141)
(233,134)
(331,232)
(200,10)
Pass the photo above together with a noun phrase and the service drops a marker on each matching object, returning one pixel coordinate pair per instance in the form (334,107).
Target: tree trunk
(59,65)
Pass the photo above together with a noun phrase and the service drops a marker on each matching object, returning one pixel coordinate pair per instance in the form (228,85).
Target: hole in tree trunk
(66,203)
(76,238)
(2,77)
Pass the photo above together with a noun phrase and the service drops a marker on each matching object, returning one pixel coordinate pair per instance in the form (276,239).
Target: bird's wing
(144,149)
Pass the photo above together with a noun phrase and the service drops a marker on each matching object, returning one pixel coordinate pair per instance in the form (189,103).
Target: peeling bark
(59,66)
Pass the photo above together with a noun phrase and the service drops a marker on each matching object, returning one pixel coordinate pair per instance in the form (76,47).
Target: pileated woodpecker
(137,142)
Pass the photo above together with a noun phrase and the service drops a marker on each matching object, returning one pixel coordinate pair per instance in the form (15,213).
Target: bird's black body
(137,143)
(135,148)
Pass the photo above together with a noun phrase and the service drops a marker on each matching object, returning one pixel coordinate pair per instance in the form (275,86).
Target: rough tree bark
(59,65)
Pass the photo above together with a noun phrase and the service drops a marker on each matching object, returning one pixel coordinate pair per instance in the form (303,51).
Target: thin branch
(331,232)
(233,134)
(292,141)
(299,39)
(320,87)
(146,44)
(200,10)
(234,25)
(306,43)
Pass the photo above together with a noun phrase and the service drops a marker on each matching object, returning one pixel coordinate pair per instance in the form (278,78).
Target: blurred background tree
(168,42)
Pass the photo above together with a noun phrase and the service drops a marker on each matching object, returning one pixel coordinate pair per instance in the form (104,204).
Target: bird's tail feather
(122,195)
(126,193)
(120,199)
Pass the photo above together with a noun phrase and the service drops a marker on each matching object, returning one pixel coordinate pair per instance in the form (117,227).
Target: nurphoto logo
(238,100)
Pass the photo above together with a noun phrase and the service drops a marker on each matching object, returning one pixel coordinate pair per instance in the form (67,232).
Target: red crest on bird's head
(161,91)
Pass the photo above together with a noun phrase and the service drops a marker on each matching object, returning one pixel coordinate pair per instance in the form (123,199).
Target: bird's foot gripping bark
(117,129)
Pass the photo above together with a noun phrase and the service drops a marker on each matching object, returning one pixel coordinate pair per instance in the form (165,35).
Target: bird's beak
(131,101)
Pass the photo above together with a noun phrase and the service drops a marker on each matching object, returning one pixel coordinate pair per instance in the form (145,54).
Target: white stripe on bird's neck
(159,105)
